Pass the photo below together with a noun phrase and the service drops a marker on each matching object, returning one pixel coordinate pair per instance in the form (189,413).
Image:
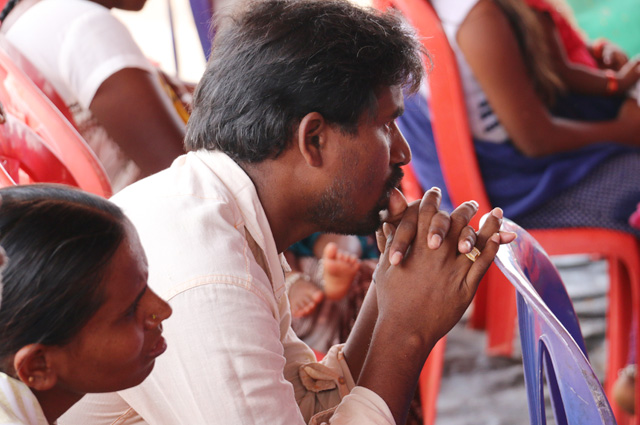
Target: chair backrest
(22,99)
(36,77)
(550,337)
(449,119)
(25,157)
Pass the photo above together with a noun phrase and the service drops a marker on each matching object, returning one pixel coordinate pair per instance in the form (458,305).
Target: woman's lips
(159,348)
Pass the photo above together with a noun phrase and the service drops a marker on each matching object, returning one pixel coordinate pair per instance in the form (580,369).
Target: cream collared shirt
(18,405)
(233,357)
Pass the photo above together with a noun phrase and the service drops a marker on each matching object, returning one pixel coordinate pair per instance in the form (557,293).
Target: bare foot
(304,297)
(340,269)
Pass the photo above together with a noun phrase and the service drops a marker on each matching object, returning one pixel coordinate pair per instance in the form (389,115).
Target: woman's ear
(34,367)
(311,137)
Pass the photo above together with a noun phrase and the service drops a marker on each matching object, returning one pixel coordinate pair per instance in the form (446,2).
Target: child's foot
(340,269)
(304,297)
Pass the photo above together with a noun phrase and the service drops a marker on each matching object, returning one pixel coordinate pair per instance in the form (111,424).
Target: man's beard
(333,213)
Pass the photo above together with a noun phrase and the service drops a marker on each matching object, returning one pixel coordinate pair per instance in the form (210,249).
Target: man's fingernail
(497,213)
(435,241)
(495,237)
(386,230)
(436,188)
(395,258)
(477,205)
(465,246)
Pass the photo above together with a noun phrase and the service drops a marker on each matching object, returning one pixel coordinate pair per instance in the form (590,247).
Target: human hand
(427,293)
(628,75)
(401,218)
(609,55)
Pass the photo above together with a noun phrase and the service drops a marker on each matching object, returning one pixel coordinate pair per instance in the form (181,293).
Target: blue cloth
(415,125)
(514,182)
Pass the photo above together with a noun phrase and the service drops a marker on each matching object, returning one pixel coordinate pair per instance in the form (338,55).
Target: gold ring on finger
(473,255)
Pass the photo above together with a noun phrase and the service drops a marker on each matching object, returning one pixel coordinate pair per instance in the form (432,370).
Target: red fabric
(574,45)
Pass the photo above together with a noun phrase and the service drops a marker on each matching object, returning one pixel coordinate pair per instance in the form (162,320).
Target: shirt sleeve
(96,46)
(361,406)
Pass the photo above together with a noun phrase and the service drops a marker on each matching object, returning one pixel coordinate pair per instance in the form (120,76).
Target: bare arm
(582,79)
(489,45)
(405,216)
(138,115)
(419,301)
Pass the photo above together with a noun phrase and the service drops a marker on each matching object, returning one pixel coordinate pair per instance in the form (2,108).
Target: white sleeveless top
(483,122)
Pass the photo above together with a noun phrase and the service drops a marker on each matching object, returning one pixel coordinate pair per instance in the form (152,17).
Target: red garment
(573,43)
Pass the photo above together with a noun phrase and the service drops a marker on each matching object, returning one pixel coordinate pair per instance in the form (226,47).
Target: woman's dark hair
(279,60)
(533,46)
(58,241)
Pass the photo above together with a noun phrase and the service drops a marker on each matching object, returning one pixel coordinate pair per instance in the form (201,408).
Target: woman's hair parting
(58,241)
(277,60)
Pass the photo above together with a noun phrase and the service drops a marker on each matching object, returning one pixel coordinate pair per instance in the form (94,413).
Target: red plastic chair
(494,304)
(22,99)
(25,157)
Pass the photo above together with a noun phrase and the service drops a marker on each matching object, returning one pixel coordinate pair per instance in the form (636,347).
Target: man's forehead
(390,101)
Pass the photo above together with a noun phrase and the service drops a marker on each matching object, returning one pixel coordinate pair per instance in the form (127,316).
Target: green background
(617,20)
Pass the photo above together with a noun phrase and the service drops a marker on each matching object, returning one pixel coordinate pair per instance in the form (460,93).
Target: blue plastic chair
(550,337)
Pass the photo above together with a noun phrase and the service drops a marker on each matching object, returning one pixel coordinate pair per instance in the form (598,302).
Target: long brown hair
(535,51)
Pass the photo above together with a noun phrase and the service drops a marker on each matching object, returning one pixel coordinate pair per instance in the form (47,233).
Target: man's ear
(311,138)
(33,366)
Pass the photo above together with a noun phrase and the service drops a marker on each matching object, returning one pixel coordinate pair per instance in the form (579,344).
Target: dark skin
(489,46)
(139,117)
(582,79)
(384,355)
(137,113)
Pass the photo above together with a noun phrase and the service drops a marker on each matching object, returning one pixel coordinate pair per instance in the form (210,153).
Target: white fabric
(18,405)
(483,122)
(359,407)
(77,45)
(233,357)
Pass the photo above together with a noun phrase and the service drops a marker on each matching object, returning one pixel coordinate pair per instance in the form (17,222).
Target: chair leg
(501,321)
(617,334)
(478,319)
(429,382)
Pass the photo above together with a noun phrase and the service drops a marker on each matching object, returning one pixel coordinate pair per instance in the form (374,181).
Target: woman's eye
(132,310)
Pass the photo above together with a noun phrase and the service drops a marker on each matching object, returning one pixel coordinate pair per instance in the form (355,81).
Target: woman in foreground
(76,315)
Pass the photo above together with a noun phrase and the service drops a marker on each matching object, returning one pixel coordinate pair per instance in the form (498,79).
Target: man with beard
(293,131)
